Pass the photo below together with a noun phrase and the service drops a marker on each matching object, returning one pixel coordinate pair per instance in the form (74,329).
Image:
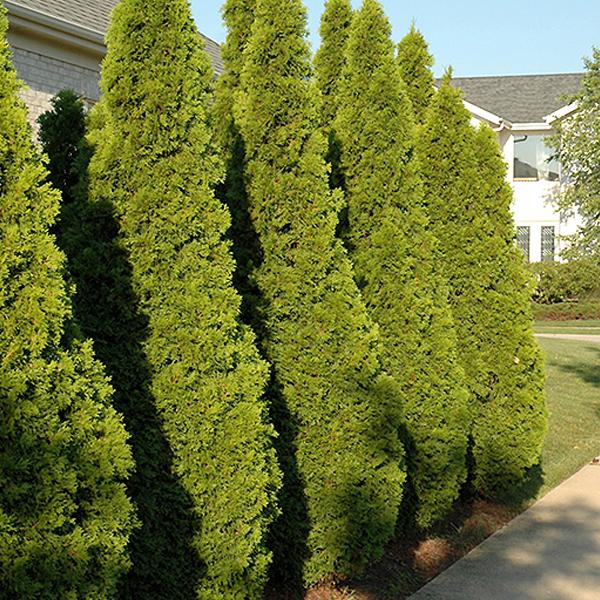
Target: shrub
(329,63)
(61,133)
(396,263)
(567,311)
(65,518)
(570,281)
(154,159)
(335,409)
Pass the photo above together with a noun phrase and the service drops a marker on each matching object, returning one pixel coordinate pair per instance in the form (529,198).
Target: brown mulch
(414,559)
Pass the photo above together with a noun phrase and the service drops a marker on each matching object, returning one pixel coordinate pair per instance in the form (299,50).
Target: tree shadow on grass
(588,371)
(105,306)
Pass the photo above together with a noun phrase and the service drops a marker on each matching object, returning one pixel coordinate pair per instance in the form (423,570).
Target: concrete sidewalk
(577,337)
(550,552)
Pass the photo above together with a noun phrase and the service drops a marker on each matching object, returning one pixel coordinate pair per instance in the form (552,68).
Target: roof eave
(561,113)
(485,115)
(26,19)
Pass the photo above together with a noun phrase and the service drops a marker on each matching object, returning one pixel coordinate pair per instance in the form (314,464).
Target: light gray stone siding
(45,76)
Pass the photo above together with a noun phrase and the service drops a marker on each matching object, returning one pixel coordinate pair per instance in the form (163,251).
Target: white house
(59,44)
(522,109)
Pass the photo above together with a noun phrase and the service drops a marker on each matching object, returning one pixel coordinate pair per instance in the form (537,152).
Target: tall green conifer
(415,64)
(469,209)
(65,518)
(329,64)
(330,58)
(395,260)
(238,16)
(334,405)
(154,158)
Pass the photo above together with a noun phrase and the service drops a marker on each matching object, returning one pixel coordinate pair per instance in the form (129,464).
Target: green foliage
(329,59)
(577,146)
(329,64)
(415,64)
(567,311)
(61,132)
(154,159)
(238,16)
(65,518)
(336,410)
(396,264)
(559,282)
(469,208)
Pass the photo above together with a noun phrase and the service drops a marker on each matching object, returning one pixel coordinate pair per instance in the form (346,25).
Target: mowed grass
(573,393)
(576,327)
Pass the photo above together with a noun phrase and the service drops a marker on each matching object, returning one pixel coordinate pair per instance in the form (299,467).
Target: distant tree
(577,145)
(469,209)
(154,159)
(334,406)
(415,64)
(396,263)
(329,64)
(62,129)
(65,518)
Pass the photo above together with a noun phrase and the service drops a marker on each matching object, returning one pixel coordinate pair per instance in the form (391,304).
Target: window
(523,237)
(534,160)
(548,247)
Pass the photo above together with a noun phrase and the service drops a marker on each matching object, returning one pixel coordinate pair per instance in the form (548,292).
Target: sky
(476,38)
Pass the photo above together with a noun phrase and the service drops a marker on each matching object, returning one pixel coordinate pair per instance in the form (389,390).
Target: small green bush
(562,282)
(567,311)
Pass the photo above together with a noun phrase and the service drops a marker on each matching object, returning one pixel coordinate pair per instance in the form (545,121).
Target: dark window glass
(523,238)
(548,244)
(534,159)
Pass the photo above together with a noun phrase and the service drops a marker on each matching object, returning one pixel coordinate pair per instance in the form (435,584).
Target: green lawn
(581,327)
(573,391)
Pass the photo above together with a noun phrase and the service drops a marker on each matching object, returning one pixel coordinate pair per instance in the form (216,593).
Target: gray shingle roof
(520,98)
(95,15)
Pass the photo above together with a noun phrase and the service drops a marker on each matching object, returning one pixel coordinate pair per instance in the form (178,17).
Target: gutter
(23,18)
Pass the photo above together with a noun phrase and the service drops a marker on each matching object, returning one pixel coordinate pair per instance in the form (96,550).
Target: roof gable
(520,98)
(94,15)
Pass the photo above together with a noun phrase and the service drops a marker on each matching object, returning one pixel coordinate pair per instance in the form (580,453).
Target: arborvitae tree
(61,133)
(415,64)
(238,16)
(329,64)
(154,158)
(330,58)
(396,264)
(469,209)
(65,518)
(510,428)
(323,346)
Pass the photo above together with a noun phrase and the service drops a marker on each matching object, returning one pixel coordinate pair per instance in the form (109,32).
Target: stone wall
(46,76)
